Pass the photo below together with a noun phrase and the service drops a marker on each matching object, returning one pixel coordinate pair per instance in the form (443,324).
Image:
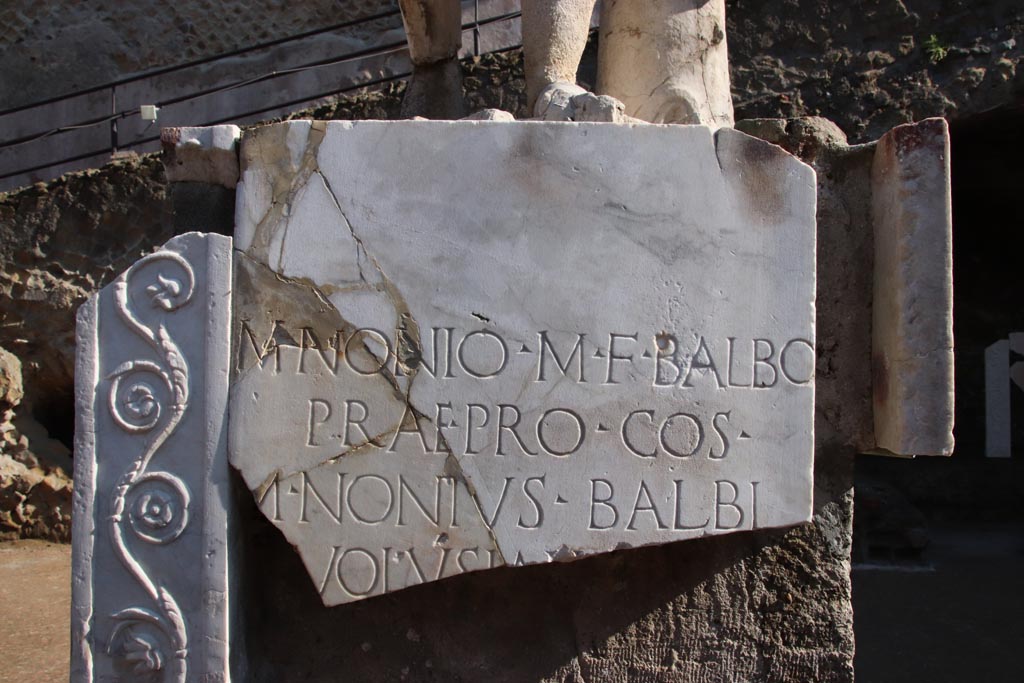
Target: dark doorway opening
(939,542)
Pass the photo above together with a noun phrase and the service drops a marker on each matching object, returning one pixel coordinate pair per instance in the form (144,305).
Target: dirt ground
(35,611)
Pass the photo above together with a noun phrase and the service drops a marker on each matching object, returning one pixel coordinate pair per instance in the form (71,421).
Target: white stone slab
(590,337)
(150,554)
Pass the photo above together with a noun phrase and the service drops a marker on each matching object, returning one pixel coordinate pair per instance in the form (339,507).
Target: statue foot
(489,115)
(570,102)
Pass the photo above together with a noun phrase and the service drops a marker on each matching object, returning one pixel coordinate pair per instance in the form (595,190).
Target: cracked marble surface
(461,345)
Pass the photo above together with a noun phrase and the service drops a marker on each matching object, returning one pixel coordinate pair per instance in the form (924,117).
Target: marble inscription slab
(462,345)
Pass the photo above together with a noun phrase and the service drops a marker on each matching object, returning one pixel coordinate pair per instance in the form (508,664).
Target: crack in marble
(407,337)
(286,187)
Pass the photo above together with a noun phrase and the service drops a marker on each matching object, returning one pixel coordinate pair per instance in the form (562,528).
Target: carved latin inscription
(389,474)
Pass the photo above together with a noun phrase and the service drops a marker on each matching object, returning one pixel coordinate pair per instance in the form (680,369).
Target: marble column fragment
(150,557)
(912,324)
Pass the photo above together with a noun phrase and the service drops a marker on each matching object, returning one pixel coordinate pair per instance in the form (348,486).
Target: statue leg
(666,60)
(434,31)
(554,37)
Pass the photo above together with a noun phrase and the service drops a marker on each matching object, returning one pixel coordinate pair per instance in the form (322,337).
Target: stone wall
(874,64)
(59,243)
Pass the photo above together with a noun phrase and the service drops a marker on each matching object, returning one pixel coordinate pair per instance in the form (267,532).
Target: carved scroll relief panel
(150,587)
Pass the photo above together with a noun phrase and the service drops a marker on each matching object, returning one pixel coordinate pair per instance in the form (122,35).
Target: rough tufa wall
(874,64)
(58,244)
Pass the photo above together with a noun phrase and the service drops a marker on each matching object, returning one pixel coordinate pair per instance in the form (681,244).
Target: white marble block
(912,310)
(461,345)
(150,554)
